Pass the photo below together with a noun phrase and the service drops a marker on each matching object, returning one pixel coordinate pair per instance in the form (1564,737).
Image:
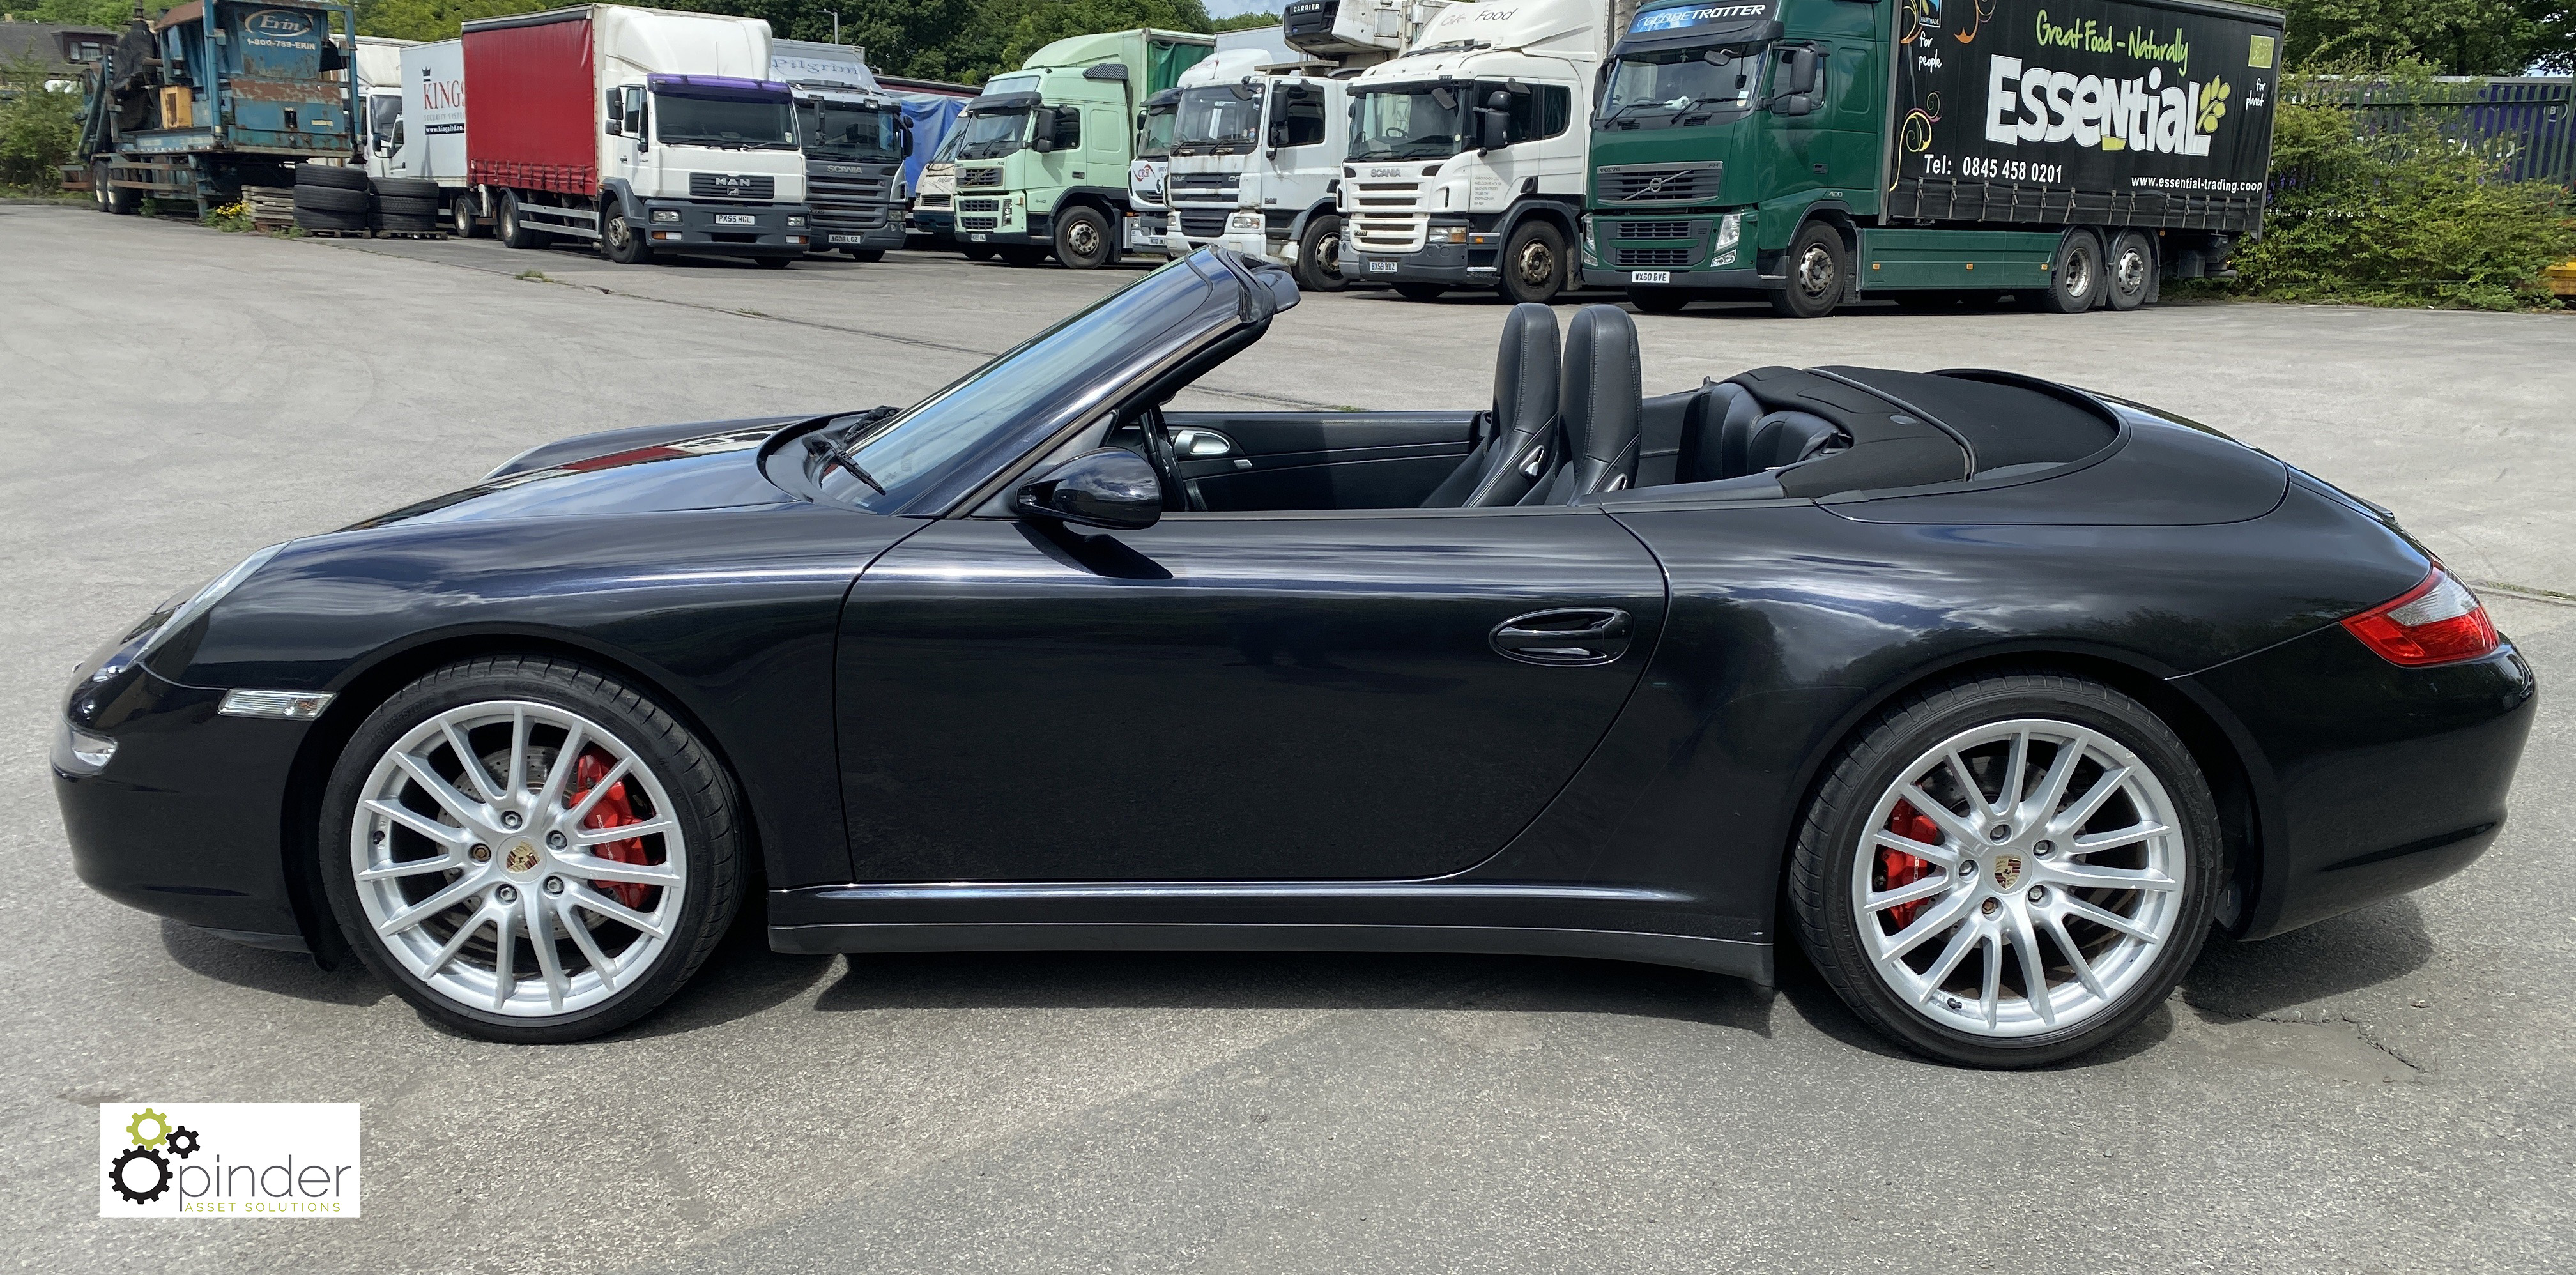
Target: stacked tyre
(407,206)
(331,197)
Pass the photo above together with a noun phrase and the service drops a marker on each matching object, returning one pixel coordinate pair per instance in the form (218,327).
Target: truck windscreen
(1667,87)
(849,130)
(1154,135)
(991,134)
(729,122)
(1215,120)
(1408,121)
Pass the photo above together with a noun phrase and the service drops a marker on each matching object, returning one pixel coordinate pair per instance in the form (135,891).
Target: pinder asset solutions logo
(228,1159)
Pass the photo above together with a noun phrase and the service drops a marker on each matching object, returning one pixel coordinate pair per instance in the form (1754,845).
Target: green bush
(36,127)
(2398,208)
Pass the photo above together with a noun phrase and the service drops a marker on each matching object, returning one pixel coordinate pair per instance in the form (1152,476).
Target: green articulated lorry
(1042,156)
(2071,153)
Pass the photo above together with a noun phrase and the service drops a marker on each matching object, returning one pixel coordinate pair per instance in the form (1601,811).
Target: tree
(1245,22)
(2454,37)
(36,125)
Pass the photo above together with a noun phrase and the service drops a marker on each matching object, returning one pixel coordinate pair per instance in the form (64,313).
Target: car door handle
(1199,444)
(1567,636)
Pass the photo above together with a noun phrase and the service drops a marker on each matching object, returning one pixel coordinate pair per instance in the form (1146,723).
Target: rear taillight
(2436,622)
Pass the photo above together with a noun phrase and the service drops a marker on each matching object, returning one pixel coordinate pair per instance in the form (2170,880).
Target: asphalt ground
(2389,1090)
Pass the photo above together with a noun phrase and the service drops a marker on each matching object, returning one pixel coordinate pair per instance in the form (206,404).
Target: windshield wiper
(834,445)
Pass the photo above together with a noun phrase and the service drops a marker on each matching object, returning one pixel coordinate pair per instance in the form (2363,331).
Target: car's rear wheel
(2008,870)
(529,851)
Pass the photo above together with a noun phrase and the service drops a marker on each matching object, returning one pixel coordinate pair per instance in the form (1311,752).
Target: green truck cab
(1817,152)
(1042,155)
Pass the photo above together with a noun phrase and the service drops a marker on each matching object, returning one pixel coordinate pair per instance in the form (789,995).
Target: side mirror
(1042,126)
(1803,72)
(1793,104)
(616,126)
(1493,129)
(1112,488)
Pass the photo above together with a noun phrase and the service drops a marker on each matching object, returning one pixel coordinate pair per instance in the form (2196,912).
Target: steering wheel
(1160,454)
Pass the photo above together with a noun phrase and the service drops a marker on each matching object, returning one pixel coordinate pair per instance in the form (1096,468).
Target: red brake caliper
(613,811)
(1900,868)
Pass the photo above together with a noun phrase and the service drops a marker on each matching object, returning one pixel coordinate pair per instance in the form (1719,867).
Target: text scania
(2147,114)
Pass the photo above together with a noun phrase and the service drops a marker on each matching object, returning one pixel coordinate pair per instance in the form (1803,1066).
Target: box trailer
(646,131)
(1814,152)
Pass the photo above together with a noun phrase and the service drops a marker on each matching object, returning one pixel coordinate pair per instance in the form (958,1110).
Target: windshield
(947,443)
(1154,135)
(732,123)
(849,130)
(1412,121)
(1214,118)
(991,135)
(1676,86)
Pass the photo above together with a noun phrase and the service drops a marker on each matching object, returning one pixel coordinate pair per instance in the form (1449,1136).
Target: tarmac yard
(2388,1090)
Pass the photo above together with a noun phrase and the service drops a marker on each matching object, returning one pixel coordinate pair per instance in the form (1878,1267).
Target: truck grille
(732,186)
(849,201)
(1206,181)
(1659,183)
(984,205)
(1650,229)
(965,222)
(1389,232)
(979,177)
(1201,223)
(1390,196)
(1650,256)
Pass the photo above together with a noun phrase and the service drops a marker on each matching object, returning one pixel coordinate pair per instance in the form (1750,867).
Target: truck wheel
(1082,240)
(1419,291)
(2132,272)
(1533,264)
(977,251)
(1319,255)
(867,254)
(1658,300)
(620,242)
(2074,275)
(511,231)
(110,199)
(1816,268)
(461,221)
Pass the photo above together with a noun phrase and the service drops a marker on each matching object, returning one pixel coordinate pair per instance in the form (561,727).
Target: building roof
(45,40)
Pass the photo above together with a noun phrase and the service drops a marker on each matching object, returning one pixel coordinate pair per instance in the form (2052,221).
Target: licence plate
(1382,267)
(734,219)
(845,238)
(1650,276)
(979,236)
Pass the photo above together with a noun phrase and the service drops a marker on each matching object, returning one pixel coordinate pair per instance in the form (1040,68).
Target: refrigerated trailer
(643,130)
(1814,152)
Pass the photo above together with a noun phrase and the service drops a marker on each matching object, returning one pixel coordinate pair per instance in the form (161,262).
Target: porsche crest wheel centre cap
(2007,870)
(523,858)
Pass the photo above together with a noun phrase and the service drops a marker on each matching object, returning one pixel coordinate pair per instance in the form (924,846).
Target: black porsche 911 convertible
(1998,695)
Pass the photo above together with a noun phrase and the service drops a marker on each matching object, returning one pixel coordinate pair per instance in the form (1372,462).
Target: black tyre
(405,206)
(1533,264)
(977,251)
(411,188)
(331,199)
(2129,274)
(619,239)
(2074,276)
(2007,870)
(461,221)
(1419,291)
(867,254)
(512,232)
(112,200)
(329,177)
(344,222)
(1083,240)
(1319,255)
(493,899)
(1818,270)
(1659,300)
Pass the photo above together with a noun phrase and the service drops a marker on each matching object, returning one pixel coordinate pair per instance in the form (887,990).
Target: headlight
(204,601)
(1727,232)
(1448,234)
(666,215)
(794,220)
(1243,221)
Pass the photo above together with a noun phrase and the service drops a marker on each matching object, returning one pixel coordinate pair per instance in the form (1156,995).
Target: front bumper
(689,226)
(1681,250)
(830,238)
(2369,779)
(186,819)
(1746,279)
(1432,263)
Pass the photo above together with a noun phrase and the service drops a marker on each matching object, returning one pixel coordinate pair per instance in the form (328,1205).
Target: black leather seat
(1730,436)
(1512,455)
(1599,400)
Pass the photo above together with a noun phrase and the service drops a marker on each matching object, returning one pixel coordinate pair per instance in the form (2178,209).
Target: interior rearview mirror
(1112,488)
(1717,57)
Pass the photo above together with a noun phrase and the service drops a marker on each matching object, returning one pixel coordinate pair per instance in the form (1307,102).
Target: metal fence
(2534,116)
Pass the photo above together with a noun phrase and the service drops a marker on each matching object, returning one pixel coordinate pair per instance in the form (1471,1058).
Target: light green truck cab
(1043,154)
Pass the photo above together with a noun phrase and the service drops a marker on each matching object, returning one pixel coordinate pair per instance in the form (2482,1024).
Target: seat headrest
(1525,370)
(1604,384)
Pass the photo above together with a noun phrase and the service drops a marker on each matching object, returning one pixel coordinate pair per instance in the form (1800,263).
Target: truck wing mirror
(616,126)
(1802,71)
(1493,129)
(1793,104)
(1042,125)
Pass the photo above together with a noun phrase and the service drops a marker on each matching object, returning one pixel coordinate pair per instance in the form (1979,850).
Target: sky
(1229,8)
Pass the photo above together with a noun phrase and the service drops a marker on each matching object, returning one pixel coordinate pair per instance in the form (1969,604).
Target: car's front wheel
(2008,870)
(530,851)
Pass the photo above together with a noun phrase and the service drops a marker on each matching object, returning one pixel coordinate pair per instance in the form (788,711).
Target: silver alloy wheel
(1816,271)
(2129,274)
(1083,237)
(1536,265)
(2077,277)
(1328,255)
(2053,841)
(472,824)
(621,236)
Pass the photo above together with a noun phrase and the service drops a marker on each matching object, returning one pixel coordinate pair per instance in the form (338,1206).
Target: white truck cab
(1465,164)
(1256,161)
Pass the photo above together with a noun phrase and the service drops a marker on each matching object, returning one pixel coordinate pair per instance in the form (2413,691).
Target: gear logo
(142,1171)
